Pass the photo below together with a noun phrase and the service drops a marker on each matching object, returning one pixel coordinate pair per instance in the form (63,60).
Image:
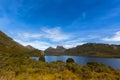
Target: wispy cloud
(115,38)
(73,43)
(36,43)
(55,34)
(28,36)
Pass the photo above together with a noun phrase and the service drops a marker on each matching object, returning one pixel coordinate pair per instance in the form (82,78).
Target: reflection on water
(114,62)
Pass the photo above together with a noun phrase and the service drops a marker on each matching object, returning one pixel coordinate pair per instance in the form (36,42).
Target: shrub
(70,60)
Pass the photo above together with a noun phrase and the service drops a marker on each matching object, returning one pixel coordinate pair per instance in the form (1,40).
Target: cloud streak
(55,34)
(36,43)
(28,36)
(115,38)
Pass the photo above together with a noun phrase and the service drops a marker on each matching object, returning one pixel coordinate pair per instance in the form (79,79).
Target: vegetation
(20,68)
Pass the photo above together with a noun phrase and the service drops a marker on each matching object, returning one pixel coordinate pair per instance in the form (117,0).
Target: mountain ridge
(90,49)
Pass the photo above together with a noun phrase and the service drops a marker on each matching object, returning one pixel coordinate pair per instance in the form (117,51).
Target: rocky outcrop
(55,51)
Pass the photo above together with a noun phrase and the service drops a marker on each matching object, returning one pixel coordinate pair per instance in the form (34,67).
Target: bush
(70,60)
(97,67)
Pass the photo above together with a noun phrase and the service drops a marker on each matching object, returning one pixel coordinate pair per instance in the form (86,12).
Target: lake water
(82,60)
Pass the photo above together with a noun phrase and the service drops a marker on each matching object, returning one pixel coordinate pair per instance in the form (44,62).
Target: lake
(82,60)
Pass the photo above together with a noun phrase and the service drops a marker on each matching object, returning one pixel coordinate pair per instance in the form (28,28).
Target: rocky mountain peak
(50,48)
(60,47)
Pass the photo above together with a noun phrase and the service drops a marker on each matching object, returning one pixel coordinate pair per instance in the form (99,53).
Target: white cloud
(73,43)
(70,45)
(27,36)
(115,38)
(55,34)
(37,44)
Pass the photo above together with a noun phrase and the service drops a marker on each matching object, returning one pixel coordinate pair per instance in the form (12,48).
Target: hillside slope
(10,47)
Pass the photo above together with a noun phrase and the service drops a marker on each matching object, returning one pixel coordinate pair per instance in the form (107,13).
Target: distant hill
(55,51)
(12,48)
(90,49)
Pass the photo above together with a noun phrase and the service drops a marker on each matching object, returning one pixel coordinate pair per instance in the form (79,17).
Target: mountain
(55,51)
(12,48)
(60,49)
(95,49)
(89,49)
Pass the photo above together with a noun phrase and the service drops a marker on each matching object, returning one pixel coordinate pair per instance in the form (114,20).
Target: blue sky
(44,23)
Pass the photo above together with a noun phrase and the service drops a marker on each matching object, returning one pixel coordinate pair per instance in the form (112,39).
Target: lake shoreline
(85,56)
(82,60)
